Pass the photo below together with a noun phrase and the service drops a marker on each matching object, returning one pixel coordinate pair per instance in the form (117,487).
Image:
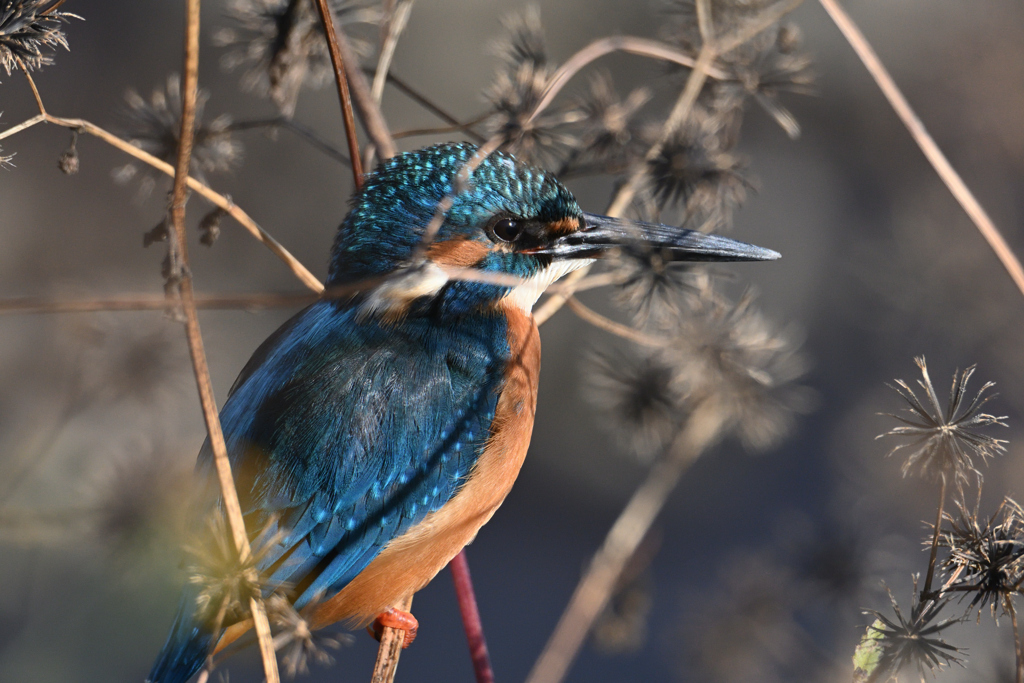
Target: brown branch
(596,587)
(370,114)
(300,271)
(926,594)
(924,140)
(391,641)
(1019,669)
(474,627)
(337,61)
(189,92)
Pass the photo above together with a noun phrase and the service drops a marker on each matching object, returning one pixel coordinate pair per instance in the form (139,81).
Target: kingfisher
(372,436)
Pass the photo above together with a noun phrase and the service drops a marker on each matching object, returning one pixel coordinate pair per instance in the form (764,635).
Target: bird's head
(513,221)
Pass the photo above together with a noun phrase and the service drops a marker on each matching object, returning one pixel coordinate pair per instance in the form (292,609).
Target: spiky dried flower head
(729,353)
(299,643)
(651,285)
(986,556)
(913,639)
(638,393)
(283,45)
(517,89)
(606,137)
(945,443)
(28,30)
(697,171)
(155,126)
(763,68)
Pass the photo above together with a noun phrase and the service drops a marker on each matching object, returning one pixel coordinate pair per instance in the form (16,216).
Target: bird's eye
(507,229)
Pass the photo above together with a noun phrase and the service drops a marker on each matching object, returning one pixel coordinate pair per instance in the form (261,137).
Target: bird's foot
(395,618)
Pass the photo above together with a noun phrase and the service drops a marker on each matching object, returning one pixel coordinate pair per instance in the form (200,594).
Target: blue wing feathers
(348,432)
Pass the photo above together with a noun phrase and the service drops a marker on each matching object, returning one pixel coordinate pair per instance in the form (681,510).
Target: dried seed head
(68,162)
(6,161)
(283,45)
(226,584)
(156,125)
(986,556)
(945,444)
(729,353)
(652,286)
(298,642)
(209,227)
(523,41)
(28,29)
(607,139)
(639,395)
(697,171)
(913,640)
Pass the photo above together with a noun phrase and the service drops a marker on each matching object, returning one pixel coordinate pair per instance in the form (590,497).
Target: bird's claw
(395,618)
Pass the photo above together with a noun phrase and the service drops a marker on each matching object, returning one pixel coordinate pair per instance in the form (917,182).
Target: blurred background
(760,566)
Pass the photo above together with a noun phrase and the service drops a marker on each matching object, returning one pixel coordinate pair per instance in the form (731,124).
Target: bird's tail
(186,647)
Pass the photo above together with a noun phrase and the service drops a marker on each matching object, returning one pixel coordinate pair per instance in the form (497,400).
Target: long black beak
(600,234)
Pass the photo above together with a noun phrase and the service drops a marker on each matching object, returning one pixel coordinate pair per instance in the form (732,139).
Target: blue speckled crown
(398,200)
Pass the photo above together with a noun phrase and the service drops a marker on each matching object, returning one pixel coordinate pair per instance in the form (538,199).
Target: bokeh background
(761,564)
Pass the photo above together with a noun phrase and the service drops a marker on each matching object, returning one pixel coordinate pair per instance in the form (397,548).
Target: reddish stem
(471,619)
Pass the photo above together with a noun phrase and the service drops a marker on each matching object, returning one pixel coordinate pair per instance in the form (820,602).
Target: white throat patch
(524,296)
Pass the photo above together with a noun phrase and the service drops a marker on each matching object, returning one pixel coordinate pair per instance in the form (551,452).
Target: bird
(372,435)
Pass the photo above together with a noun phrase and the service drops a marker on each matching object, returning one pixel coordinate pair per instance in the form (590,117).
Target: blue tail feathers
(185,650)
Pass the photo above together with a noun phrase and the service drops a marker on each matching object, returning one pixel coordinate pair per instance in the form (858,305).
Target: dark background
(879,265)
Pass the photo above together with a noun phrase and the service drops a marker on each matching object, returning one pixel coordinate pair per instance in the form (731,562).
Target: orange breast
(409,562)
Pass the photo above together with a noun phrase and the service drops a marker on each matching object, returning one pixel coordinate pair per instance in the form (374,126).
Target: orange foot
(395,618)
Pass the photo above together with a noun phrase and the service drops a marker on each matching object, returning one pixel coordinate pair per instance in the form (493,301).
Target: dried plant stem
(399,17)
(608,325)
(471,618)
(232,508)
(340,78)
(701,70)
(425,102)
(31,84)
(643,47)
(1008,604)
(602,574)
(81,125)
(390,649)
(304,132)
(926,594)
(370,114)
(921,136)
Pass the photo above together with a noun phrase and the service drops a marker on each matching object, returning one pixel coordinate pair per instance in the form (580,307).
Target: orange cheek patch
(461,252)
(564,226)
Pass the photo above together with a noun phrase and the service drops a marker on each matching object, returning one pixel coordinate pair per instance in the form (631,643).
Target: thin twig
(595,589)
(927,592)
(341,79)
(391,641)
(31,84)
(229,495)
(924,140)
(304,132)
(471,618)
(300,271)
(370,114)
(643,47)
(396,23)
(463,127)
(425,102)
(608,325)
